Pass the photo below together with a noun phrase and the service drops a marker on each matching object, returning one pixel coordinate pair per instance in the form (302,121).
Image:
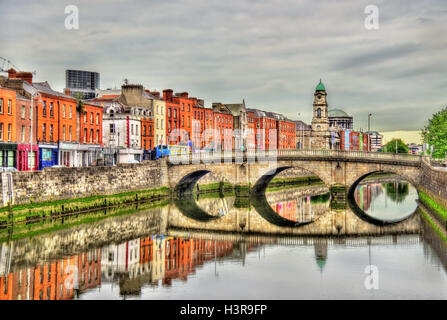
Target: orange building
(172,117)
(179,108)
(286,134)
(223,124)
(147,133)
(8,129)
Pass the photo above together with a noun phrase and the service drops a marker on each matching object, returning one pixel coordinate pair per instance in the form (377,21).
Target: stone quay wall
(434,181)
(66,183)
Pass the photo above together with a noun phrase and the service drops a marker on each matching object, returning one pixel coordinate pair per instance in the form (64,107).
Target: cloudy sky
(272,53)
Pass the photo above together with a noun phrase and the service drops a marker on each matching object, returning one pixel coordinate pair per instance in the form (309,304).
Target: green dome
(321,262)
(337,113)
(320,87)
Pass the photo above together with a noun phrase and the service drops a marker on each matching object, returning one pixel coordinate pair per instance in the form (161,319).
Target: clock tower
(320,119)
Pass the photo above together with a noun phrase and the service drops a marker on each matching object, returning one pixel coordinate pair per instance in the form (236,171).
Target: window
(9,107)
(92,137)
(9,132)
(63,132)
(157,124)
(318,113)
(85,135)
(69,112)
(51,110)
(137,131)
(91,117)
(63,110)
(131,129)
(169,112)
(44,131)
(112,128)
(23,112)
(97,118)
(1,136)
(98,140)
(69,133)
(85,117)
(44,109)
(1,105)
(23,133)
(51,132)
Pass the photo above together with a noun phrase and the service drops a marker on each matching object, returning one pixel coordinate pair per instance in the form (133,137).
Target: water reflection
(389,201)
(215,247)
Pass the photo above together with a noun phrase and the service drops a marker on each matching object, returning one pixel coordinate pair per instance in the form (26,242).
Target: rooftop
(338,113)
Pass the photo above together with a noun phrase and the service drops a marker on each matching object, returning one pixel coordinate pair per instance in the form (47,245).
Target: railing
(276,155)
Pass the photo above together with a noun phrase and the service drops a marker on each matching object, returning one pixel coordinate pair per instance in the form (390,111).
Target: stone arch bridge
(334,168)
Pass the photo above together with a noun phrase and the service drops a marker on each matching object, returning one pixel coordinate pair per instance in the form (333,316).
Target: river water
(292,243)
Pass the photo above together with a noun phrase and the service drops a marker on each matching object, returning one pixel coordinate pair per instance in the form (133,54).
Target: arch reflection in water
(384,201)
(289,207)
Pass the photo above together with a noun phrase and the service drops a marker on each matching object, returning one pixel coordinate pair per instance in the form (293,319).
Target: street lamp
(369,122)
(34,93)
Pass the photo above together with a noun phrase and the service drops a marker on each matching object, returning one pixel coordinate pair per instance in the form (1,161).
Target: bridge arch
(360,213)
(268,175)
(190,175)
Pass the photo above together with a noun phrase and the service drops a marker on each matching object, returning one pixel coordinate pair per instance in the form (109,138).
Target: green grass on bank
(33,211)
(433,224)
(438,209)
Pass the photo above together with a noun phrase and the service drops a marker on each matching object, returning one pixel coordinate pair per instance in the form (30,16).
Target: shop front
(48,155)
(88,154)
(27,160)
(130,155)
(68,154)
(8,155)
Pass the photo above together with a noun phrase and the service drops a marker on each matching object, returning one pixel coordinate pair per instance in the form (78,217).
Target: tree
(391,146)
(435,133)
(79,96)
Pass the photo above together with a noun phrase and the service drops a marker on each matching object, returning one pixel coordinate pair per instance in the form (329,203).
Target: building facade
(81,82)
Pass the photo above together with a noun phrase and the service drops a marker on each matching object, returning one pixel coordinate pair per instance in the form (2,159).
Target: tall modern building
(85,82)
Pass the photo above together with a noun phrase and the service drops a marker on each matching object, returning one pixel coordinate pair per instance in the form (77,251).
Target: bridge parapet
(236,156)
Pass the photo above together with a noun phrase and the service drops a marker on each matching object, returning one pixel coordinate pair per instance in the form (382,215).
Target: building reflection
(364,194)
(55,280)
(154,260)
(301,209)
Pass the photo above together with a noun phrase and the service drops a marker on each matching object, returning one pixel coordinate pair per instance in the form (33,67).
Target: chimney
(201,102)
(25,76)
(67,91)
(167,94)
(132,89)
(156,94)
(184,94)
(11,73)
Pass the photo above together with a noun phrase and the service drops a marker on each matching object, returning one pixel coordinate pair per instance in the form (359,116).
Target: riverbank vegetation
(439,210)
(26,213)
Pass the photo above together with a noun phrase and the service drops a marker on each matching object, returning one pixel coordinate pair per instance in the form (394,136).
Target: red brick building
(223,126)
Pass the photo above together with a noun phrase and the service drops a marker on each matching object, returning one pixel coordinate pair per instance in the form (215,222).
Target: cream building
(159,107)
